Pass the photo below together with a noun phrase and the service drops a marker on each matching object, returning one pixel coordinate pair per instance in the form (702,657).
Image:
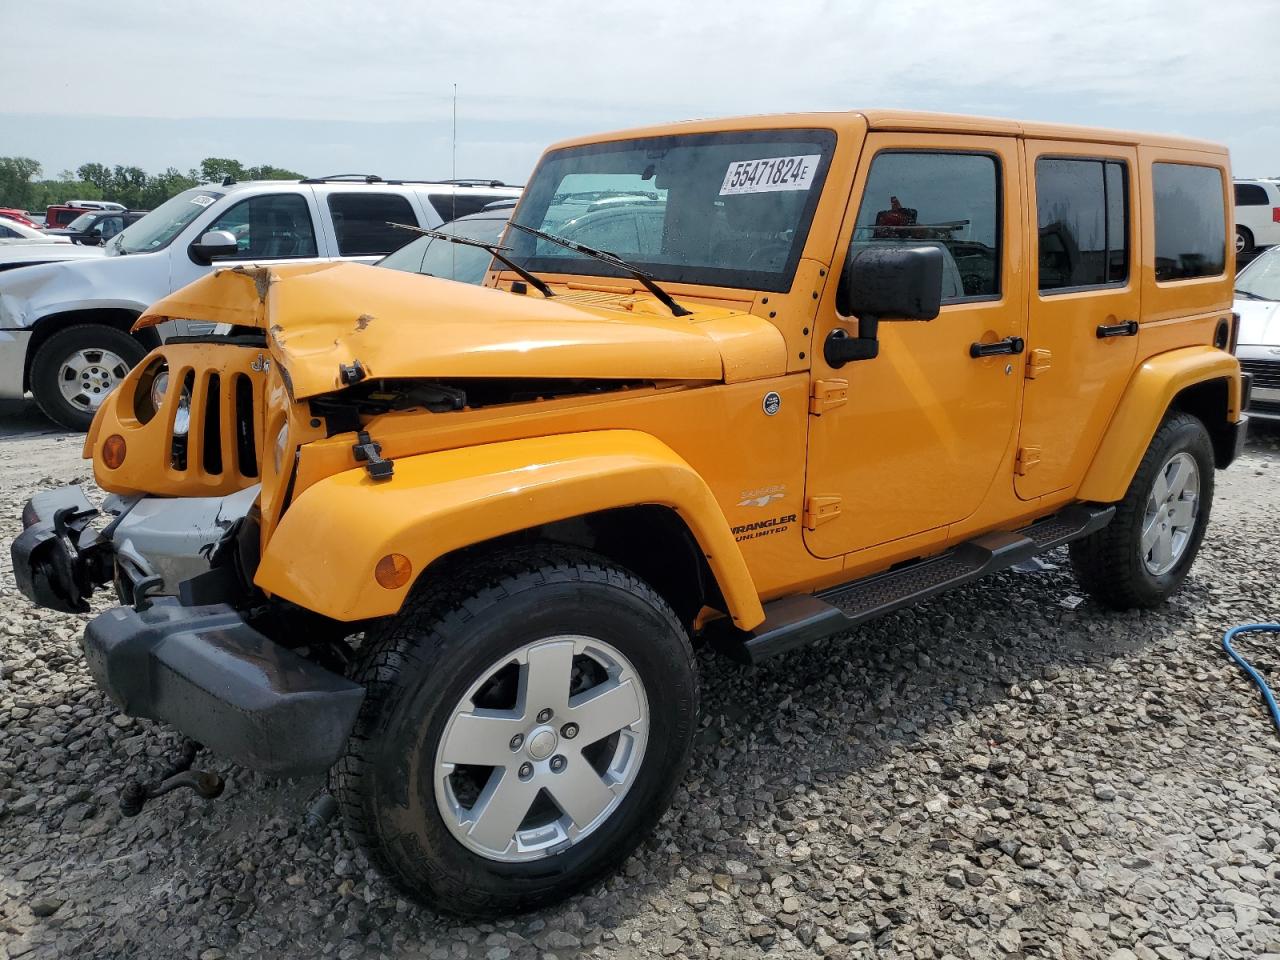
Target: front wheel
(525,726)
(1142,556)
(75,369)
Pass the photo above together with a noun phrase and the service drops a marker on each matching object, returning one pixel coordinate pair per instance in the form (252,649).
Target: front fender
(1143,406)
(323,552)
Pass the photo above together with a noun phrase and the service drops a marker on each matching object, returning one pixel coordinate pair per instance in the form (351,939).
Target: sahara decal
(763,496)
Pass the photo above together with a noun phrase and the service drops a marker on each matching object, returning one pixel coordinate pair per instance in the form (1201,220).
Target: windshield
(452,261)
(158,228)
(1261,279)
(84,221)
(723,209)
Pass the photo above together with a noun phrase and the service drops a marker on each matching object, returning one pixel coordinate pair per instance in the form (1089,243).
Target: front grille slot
(211,448)
(1266,373)
(181,441)
(246,443)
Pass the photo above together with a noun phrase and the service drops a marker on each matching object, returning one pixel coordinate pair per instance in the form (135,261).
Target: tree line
(21,185)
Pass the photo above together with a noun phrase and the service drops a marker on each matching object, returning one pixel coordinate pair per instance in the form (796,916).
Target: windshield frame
(119,243)
(824,142)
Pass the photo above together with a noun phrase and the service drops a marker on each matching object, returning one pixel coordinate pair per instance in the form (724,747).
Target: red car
(12,213)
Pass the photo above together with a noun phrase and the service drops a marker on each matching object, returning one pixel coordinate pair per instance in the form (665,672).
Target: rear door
(1084,307)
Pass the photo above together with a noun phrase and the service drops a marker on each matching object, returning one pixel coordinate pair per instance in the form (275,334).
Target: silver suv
(65,328)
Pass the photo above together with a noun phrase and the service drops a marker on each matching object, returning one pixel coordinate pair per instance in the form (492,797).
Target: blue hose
(1256,677)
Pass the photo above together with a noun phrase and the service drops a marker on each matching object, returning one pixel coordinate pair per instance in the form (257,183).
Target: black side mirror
(214,244)
(883,283)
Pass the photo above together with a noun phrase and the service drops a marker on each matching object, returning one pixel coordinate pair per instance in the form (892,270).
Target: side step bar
(798,620)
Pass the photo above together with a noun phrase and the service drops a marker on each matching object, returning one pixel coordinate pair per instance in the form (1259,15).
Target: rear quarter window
(1190,213)
(1250,195)
(361,223)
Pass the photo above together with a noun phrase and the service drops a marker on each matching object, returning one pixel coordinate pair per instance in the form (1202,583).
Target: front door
(1084,307)
(925,426)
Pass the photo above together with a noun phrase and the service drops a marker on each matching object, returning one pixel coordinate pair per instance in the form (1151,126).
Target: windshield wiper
(1250,295)
(613,261)
(493,249)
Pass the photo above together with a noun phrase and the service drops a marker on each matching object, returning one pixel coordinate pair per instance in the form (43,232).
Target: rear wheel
(1244,240)
(525,726)
(1142,556)
(75,369)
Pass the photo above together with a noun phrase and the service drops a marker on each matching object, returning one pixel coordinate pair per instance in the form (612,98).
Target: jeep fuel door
(1084,306)
(930,419)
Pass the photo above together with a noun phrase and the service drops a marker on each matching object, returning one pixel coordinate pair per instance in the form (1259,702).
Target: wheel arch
(621,493)
(118,318)
(1203,381)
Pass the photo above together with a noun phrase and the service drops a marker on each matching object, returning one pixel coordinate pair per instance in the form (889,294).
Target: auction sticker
(766,176)
(203,200)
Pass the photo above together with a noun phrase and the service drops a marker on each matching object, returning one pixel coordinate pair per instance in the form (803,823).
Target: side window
(1082,219)
(1251,195)
(1191,232)
(360,222)
(110,226)
(8,234)
(947,200)
(450,206)
(274,226)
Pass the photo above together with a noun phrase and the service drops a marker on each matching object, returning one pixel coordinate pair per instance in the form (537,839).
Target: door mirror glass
(896,282)
(214,244)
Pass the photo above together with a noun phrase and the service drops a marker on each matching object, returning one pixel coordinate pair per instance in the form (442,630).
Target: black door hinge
(369,452)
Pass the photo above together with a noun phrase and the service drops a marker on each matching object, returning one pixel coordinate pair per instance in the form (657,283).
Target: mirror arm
(839,348)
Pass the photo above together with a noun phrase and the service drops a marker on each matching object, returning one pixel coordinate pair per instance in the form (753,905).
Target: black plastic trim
(221,682)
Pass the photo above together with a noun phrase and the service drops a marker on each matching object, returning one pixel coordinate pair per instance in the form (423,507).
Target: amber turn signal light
(113,450)
(393,571)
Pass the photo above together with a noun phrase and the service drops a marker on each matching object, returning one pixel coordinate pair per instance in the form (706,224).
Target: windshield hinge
(827,395)
(367,451)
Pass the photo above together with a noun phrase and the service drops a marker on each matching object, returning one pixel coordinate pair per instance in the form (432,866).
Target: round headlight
(282,441)
(159,384)
(182,419)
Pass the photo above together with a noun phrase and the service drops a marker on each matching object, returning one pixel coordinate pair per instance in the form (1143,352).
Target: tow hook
(207,784)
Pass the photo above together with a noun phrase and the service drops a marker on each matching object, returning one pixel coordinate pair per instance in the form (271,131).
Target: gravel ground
(993,774)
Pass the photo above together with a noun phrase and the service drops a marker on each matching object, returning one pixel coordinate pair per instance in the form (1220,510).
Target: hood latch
(369,452)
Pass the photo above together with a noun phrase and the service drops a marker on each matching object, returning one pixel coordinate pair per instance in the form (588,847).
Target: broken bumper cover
(58,559)
(208,673)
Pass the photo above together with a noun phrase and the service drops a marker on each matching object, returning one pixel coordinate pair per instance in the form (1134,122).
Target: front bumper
(13,363)
(221,682)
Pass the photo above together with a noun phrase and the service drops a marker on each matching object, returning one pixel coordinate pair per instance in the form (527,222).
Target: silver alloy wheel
(1170,514)
(548,767)
(87,376)
(1239,242)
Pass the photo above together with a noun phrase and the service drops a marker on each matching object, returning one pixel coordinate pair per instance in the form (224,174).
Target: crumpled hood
(320,317)
(1259,321)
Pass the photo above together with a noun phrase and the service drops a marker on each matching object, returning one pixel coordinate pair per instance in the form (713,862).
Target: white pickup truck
(65,328)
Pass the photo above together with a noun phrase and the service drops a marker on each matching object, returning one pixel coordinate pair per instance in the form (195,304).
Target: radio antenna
(453,247)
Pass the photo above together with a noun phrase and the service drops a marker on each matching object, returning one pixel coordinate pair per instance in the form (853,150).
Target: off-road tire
(1109,564)
(49,358)
(419,665)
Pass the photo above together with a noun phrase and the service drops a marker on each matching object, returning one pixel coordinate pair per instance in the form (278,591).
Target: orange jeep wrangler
(752,382)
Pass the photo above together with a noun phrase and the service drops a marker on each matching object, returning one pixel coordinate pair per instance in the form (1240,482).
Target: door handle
(1128,328)
(1007,345)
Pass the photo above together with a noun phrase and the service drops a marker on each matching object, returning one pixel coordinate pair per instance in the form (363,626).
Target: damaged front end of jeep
(208,442)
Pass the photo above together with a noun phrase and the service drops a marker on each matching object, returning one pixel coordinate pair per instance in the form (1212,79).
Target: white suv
(1257,214)
(65,327)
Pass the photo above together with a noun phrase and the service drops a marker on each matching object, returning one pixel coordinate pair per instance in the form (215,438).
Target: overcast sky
(324,86)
